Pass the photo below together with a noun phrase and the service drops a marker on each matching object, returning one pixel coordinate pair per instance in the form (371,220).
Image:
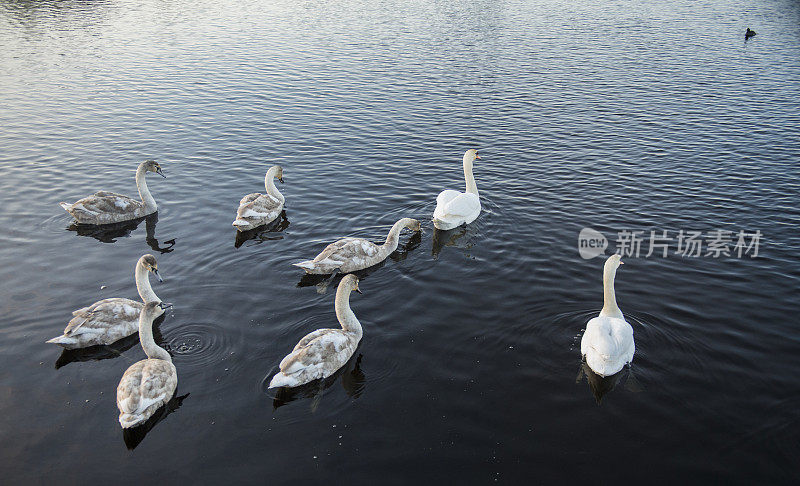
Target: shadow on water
(460,237)
(134,436)
(353,382)
(109,233)
(107,351)
(601,385)
(267,232)
(402,251)
(323,282)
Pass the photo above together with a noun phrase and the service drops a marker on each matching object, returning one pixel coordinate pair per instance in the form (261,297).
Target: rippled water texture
(612,115)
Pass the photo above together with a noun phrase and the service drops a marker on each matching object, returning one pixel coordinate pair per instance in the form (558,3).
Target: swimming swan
(322,352)
(109,320)
(455,208)
(258,209)
(352,254)
(607,342)
(150,383)
(107,207)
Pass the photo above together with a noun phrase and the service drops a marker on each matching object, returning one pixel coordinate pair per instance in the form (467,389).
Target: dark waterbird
(749,33)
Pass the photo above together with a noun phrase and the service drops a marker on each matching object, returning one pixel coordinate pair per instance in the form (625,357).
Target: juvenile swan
(258,209)
(351,254)
(322,352)
(150,383)
(107,207)
(109,320)
(455,208)
(607,343)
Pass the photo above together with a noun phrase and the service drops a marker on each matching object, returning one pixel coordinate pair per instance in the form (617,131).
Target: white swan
(108,207)
(258,209)
(607,342)
(455,208)
(322,352)
(109,320)
(352,254)
(150,383)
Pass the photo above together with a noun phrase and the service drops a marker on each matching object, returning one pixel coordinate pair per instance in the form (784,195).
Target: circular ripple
(198,347)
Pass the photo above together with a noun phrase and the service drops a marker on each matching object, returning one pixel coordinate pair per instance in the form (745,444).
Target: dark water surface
(611,115)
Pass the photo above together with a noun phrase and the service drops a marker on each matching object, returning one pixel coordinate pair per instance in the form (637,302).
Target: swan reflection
(352,378)
(109,233)
(268,232)
(460,237)
(601,385)
(134,436)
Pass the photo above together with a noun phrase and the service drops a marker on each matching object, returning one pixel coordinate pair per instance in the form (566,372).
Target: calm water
(621,116)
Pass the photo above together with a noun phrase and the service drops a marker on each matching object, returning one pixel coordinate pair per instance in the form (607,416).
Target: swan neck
(344,314)
(393,238)
(144,192)
(469,178)
(610,308)
(143,284)
(269,184)
(151,349)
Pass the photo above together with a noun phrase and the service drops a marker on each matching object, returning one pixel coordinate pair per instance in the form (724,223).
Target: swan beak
(621,262)
(158,171)
(358,289)
(165,305)
(478,157)
(155,272)
(280,179)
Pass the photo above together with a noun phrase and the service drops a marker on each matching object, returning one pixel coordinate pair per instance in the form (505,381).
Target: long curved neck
(393,238)
(345,315)
(269,184)
(469,178)
(610,308)
(144,192)
(143,284)
(151,349)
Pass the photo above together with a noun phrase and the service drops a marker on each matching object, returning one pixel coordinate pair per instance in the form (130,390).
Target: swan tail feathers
(66,206)
(280,380)
(63,340)
(129,420)
(443,224)
(306,265)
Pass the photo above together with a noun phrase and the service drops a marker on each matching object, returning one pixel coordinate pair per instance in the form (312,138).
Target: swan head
(151,265)
(153,309)
(613,262)
(278,173)
(413,224)
(470,156)
(153,166)
(350,283)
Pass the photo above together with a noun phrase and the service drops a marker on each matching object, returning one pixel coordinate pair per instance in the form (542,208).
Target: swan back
(320,353)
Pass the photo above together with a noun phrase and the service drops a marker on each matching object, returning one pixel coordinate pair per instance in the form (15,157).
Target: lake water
(617,116)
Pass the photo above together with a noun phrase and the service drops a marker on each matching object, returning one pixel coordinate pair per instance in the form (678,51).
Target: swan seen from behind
(109,320)
(353,254)
(454,208)
(150,383)
(320,353)
(258,209)
(107,207)
(607,344)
